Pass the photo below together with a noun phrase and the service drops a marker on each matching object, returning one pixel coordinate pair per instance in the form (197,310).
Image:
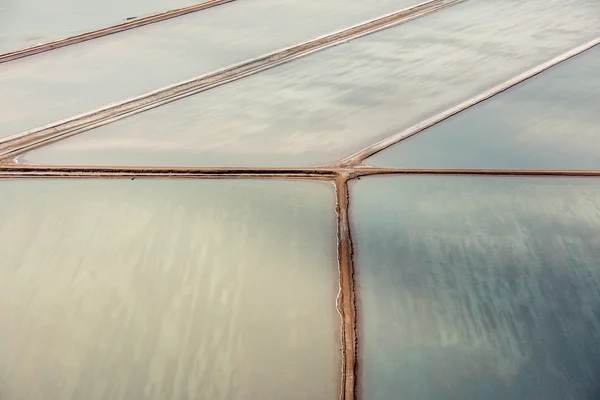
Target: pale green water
(478,288)
(551,121)
(119,289)
(331,104)
(75,79)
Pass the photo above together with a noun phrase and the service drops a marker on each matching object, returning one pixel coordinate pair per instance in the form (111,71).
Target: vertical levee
(346,298)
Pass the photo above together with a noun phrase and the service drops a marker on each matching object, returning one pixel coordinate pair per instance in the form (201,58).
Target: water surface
(326,106)
(478,288)
(551,121)
(57,84)
(213,289)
